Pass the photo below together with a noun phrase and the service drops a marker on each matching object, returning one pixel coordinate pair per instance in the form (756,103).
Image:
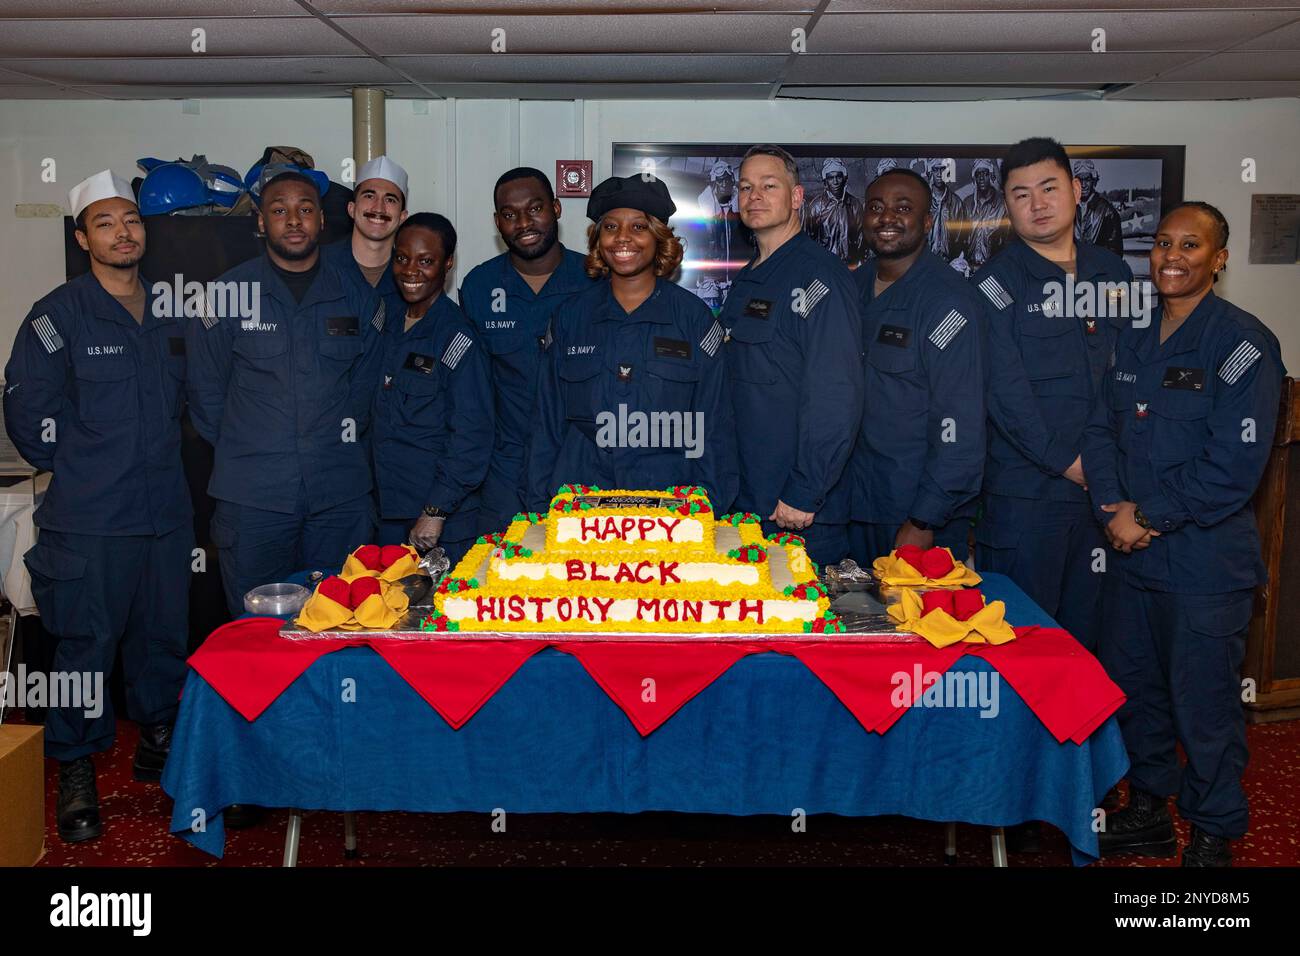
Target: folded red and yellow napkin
(353,603)
(389,563)
(948,617)
(911,566)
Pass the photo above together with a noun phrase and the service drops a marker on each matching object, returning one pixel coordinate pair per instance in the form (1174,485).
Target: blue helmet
(174,191)
(252,179)
(171,187)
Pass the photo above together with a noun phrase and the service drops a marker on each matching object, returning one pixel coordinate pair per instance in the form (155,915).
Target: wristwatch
(431,512)
(1142,519)
(919,525)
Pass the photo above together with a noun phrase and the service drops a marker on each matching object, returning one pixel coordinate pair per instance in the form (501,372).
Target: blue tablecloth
(766,737)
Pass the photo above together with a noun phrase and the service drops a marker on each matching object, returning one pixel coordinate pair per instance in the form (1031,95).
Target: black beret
(647,194)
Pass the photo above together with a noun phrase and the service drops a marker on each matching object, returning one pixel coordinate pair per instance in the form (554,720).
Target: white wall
(455,151)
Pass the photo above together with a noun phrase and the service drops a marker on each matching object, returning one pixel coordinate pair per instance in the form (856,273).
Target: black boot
(151,752)
(1144,827)
(78,811)
(1206,849)
(1025,837)
(1110,802)
(241,816)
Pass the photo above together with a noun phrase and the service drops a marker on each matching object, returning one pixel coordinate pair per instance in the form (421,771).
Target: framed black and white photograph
(1124,190)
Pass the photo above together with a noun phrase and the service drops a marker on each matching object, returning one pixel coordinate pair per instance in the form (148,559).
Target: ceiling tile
(148,9)
(962,68)
(705,34)
(1238,66)
(607,91)
(609,68)
(577,8)
(1287,38)
(1036,32)
(284,71)
(1059,6)
(268,36)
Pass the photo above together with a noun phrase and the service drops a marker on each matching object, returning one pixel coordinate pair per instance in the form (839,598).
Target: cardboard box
(22,794)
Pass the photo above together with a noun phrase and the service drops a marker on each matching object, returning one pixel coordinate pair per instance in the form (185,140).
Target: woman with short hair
(1176,446)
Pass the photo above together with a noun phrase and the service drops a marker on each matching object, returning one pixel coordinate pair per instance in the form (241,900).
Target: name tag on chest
(416,362)
(1187,379)
(895,335)
(758,308)
(672,348)
(342,325)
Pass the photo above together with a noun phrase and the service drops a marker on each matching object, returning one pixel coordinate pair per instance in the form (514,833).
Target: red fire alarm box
(572,178)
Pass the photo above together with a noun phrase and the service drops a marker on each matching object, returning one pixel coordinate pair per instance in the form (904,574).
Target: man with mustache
(511,299)
(378,207)
(94,391)
(284,395)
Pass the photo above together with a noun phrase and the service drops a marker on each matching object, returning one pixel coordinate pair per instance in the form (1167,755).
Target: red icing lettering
(603,606)
(596,575)
(751,607)
(628,526)
(669,525)
(670,609)
(649,578)
(666,572)
(574,569)
(624,574)
(590,526)
(485,609)
(722,608)
(584,609)
(539,603)
(692,611)
(643,606)
(564,608)
(645,526)
(516,607)
(611,528)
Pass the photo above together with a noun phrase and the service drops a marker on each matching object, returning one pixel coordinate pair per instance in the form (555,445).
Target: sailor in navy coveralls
(1176,447)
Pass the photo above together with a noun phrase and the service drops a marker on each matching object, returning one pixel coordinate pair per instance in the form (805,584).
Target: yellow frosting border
(706,520)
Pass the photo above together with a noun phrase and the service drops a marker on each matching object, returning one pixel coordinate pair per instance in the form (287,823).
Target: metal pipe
(368,127)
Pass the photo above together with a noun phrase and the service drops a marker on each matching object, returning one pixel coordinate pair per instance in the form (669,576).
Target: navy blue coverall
(284,396)
(1044,361)
(920,450)
(633,400)
(433,426)
(512,321)
(96,398)
(1183,429)
(794,370)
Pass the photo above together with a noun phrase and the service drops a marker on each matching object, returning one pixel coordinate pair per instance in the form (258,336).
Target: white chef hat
(381,167)
(103,185)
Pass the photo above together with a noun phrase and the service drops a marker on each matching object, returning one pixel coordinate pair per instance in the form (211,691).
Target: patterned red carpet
(136,816)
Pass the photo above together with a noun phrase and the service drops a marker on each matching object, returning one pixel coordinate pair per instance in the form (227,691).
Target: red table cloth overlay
(250,665)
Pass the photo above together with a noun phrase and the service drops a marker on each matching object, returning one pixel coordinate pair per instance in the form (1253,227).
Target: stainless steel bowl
(276,600)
